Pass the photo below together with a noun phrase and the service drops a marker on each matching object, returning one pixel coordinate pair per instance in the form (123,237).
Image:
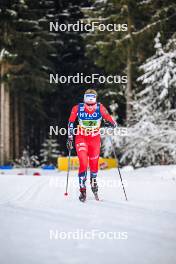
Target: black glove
(70,143)
(109,124)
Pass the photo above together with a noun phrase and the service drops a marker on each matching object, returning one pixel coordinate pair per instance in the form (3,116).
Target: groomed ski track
(33,209)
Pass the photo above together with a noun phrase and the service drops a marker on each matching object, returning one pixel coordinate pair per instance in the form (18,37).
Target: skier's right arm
(72,118)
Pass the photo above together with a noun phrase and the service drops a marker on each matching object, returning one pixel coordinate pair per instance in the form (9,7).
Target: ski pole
(118,168)
(68,172)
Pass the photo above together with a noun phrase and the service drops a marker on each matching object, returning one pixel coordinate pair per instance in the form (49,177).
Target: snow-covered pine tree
(49,151)
(125,50)
(159,79)
(152,137)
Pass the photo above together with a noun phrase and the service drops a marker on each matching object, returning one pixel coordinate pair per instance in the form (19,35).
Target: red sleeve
(73,114)
(106,115)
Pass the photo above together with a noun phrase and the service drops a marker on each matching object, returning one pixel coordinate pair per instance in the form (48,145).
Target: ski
(96,197)
(82,200)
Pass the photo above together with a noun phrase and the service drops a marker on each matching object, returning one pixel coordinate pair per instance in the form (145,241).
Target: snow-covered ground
(39,225)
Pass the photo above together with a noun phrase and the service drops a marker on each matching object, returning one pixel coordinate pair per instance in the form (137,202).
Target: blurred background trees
(145,52)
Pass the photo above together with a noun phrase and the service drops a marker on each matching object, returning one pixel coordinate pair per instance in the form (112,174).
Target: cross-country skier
(87,140)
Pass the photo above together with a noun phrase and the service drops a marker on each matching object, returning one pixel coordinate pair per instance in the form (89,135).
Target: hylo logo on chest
(88,115)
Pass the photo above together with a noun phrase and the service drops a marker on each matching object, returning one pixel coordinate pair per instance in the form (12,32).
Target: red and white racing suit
(87,140)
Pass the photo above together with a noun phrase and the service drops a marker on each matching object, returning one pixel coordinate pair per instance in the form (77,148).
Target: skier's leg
(82,152)
(94,153)
(82,180)
(93,182)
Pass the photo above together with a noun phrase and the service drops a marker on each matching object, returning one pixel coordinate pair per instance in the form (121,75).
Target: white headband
(90,98)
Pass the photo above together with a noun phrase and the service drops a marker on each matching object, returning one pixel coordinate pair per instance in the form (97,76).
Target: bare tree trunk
(2,97)
(5,119)
(21,124)
(16,127)
(129,71)
(129,85)
(7,123)
(12,126)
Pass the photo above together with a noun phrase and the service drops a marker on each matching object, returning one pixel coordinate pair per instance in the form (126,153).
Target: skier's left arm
(107,117)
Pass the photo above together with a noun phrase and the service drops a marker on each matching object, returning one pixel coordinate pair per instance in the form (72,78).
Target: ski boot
(82,196)
(94,187)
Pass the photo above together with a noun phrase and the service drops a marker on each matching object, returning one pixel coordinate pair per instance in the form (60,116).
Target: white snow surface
(34,207)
